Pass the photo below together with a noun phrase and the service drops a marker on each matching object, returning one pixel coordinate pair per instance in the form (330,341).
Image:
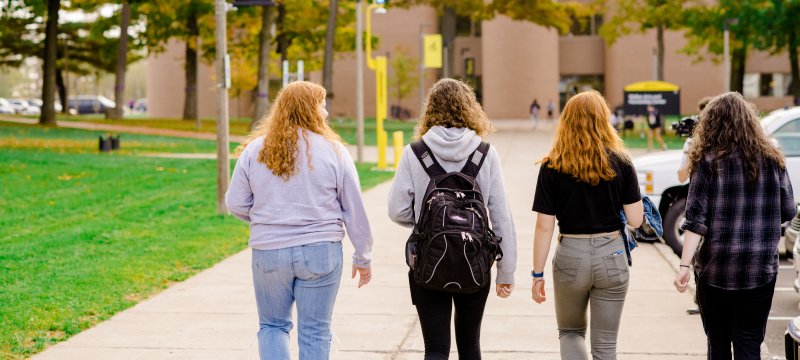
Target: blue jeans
(308,275)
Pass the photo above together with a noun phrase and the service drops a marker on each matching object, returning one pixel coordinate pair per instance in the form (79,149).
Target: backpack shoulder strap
(475,160)
(426,158)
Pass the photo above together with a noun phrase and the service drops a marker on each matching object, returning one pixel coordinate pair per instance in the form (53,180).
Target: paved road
(784,308)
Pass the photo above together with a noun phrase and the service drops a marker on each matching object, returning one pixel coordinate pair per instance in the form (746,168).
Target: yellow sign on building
(433,51)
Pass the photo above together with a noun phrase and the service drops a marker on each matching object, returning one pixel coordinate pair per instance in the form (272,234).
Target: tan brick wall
(166,83)
(520,63)
(581,55)
(398,27)
(630,60)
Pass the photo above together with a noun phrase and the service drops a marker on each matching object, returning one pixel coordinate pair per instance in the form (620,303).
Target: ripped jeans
(589,270)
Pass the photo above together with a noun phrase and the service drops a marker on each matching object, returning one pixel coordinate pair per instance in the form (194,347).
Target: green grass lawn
(637,138)
(345,127)
(62,140)
(237,126)
(347,130)
(85,235)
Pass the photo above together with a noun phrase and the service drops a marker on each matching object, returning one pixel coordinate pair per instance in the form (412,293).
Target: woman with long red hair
(585,181)
(297,187)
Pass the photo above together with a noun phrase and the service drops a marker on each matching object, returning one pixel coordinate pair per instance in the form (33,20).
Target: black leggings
(434,308)
(734,316)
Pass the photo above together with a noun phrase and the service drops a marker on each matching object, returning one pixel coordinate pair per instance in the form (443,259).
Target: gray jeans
(591,270)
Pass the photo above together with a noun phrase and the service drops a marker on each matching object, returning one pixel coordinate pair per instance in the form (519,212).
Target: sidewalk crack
(396,352)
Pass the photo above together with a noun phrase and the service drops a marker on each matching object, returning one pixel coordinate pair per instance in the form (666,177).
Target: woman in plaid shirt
(739,195)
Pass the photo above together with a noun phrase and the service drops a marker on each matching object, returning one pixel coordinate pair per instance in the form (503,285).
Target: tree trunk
(449,38)
(262,90)
(122,60)
(48,115)
(61,86)
(283,40)
(793,61)
(327,67)
(660,52)
(738,61)
(190,101)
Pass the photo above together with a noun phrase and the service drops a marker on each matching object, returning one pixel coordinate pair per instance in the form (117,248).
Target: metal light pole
(359,84)
(223,83)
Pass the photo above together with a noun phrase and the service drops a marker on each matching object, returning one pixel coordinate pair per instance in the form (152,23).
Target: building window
(570,85)
(766,85)
(465,26)
(586,26)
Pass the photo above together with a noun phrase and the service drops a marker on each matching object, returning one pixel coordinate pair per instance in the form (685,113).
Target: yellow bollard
(398,147)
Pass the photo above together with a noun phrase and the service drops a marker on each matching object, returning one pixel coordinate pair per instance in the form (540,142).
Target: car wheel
(673,220)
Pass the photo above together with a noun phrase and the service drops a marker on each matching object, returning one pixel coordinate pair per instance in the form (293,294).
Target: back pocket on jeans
(617,268)
(322,258)
(565,268)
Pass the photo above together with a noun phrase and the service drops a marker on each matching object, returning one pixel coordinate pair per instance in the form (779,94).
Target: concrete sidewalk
(213,315)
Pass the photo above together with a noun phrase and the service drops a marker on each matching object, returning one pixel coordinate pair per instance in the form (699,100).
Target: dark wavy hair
(729,124)
(452,103)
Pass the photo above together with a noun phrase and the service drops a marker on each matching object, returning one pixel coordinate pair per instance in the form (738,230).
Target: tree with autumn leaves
(767,25)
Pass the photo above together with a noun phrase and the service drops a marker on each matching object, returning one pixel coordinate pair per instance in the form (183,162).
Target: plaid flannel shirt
(740,221)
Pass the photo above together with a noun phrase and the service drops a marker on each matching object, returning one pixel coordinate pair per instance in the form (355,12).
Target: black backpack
(452,247)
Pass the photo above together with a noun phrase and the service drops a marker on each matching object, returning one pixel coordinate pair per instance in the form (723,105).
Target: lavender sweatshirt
(452,147)
(316,204)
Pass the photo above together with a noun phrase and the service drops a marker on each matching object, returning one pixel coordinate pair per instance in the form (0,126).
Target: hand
(364,275)
(504,290)
(682,279)
(537,290)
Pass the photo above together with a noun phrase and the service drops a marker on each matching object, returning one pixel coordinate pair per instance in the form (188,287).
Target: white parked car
(6,107)
(658,173)
(22,107)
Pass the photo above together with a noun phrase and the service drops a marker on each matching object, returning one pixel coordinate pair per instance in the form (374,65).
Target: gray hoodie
(452,147)
(314,205)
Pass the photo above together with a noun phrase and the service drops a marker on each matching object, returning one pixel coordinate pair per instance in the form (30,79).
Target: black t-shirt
(582,208)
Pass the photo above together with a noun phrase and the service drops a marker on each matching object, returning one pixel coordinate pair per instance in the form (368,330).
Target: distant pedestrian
(551,109)
(453,140)
(616,121)
(297,187)
(534,111)
(654,124)
(739,195)
(584,182)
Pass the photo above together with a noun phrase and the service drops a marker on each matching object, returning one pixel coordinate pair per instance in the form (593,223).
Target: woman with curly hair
(585,181)
(297,187)
(453,126)
(739,195)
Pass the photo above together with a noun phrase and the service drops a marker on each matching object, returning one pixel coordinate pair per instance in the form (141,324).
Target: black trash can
(114,142)
(104,144)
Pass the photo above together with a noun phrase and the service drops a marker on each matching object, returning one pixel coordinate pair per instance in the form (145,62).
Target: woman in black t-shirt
(584,182)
